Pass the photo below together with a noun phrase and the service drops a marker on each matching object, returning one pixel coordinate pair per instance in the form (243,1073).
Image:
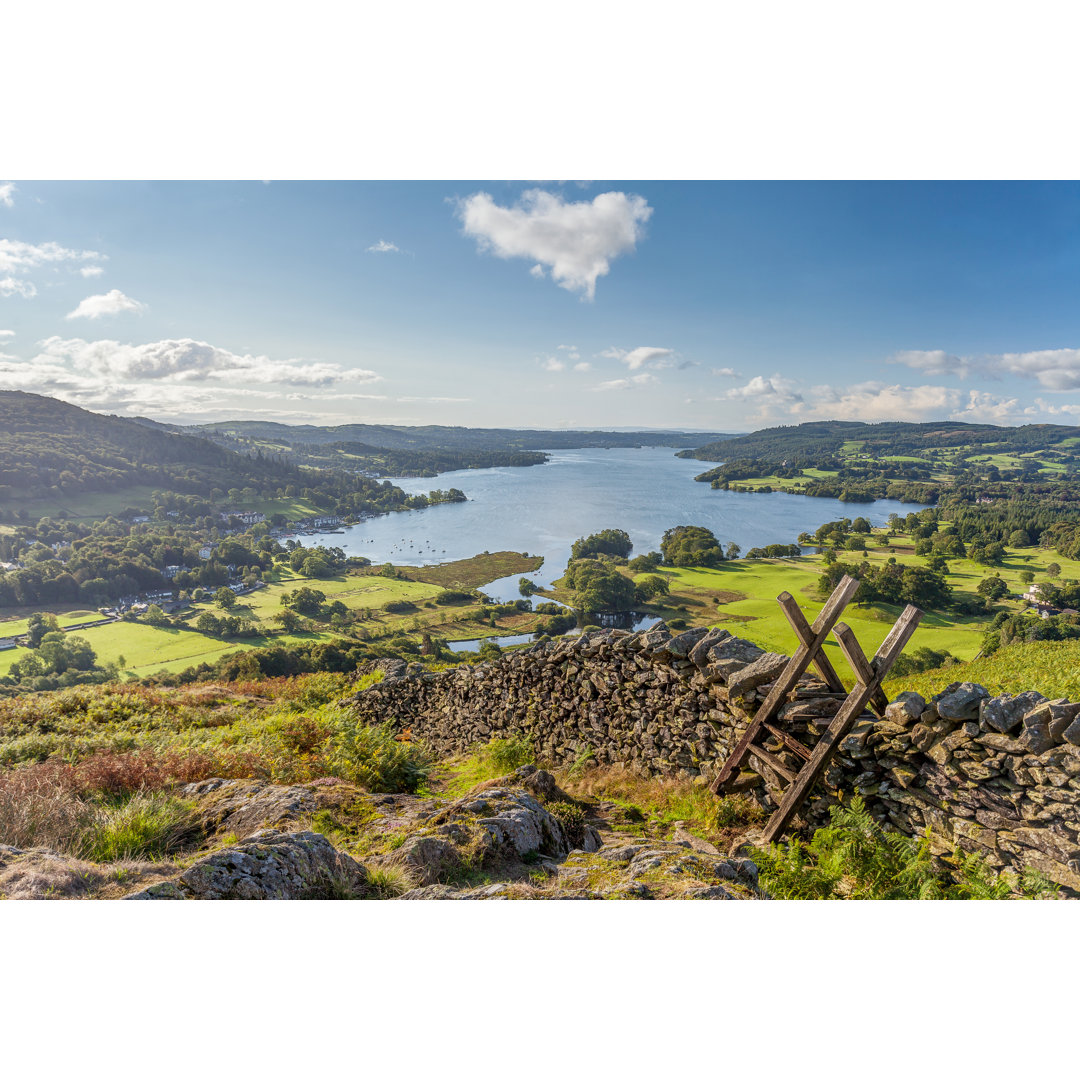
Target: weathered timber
(798,664)
(845,719)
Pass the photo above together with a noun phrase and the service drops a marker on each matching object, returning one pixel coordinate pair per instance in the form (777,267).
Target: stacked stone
(996,775)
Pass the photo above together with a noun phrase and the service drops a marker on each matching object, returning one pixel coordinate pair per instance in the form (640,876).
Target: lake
(543,509)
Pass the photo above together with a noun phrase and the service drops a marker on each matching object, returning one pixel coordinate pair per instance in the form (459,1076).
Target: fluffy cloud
(18,259)
(1053,369)
(177,378)
(384,247)
(7,333)
(630,383)
(728,373)
(553,363)
(774,389)
(583,365)
(7,194)
(92,271)
(187,361)
(574,242)
(13,286)
(114,302)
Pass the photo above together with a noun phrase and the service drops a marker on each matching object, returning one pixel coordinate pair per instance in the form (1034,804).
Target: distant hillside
(824,437)
(437,437)
(51,448)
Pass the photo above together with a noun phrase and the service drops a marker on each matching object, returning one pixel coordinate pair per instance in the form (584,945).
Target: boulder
(764,669)
(699,654)
(1005,713)
(427,858)
(730,655)
(906,708)
(960,701)
(269,865)
(246,806)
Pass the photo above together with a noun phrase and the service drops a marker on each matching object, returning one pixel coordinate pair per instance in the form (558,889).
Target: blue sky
(721,306)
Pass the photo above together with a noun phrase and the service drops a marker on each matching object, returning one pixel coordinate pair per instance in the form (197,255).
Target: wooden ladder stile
(874,670)
(867,691)
(811,638)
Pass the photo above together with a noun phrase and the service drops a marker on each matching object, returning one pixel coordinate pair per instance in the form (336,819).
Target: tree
(606,542)
(642,564)
(1027,576)
(225,598)
(993,588)
(691,545)
(1053,570)
(652,585)
(38,625)
(306,600)
(733,551)
(208,623)
(527,587)
(155,616)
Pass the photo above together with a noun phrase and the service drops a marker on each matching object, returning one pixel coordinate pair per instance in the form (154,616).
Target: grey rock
(246,806)
(960,701)
(708,892)
(699,654)
(427,858)
(269,865)
(1005,713)
(432,892)
(764,669)
(906,708)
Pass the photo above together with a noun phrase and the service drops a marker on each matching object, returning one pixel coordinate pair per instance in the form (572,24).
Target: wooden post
(872,672)
(807,651)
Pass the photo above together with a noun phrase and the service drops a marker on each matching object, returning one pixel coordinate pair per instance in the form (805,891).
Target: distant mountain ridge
(48,447)
(778,444)
(442,437)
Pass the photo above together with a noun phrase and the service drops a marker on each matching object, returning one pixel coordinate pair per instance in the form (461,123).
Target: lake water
(543,509)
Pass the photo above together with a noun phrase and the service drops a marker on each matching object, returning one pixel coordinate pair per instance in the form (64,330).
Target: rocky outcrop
(269,865)
(997,775)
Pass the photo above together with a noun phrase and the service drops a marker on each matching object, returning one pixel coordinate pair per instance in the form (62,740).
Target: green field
(747,591)
(1051,667)
(88,504)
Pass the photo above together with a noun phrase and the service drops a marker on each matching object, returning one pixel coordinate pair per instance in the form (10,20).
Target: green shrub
(506,755)
(855,858)
(572,820)
(373,758)
(141,827)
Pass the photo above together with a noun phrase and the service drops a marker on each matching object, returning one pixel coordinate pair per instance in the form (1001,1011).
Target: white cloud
(175,378)
(538,271)
(114,302)
(775,387)
(571,350)
(728,373)
(7,194)
(12,286)
(7,333)
(17,259)
(574,241)
(1053,369)
(92,271)
(584,365)
(629,383)
(383,247)
(184,360)
(935,362)
(553,363)
(651,356)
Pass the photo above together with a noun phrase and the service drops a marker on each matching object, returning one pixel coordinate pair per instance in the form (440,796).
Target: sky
(707,306)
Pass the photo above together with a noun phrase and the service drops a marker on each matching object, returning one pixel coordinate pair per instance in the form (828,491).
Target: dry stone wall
(995,775)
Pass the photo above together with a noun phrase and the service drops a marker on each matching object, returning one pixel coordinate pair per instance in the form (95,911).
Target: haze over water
(543,509)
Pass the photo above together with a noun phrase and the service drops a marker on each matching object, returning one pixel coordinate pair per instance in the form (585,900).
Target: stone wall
(995,775)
